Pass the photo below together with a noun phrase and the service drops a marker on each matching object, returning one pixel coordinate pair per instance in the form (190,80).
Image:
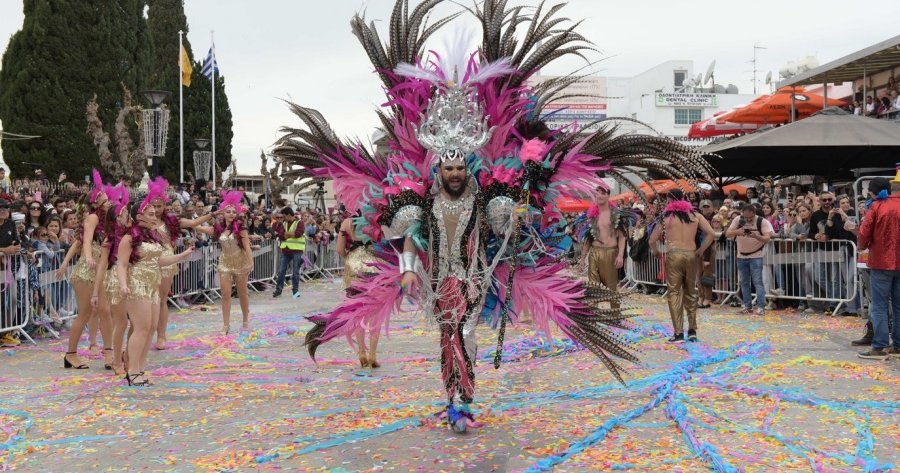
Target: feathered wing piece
(573,306)
(375,298)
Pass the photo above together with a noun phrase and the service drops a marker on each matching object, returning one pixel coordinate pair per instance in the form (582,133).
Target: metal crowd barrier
(15,295)
(646,273)
(811,271)
(319,261)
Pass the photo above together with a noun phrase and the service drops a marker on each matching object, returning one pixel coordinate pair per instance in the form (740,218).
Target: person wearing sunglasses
(37,217)
(827,225)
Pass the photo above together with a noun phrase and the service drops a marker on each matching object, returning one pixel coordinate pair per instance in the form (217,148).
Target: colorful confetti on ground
(783,392)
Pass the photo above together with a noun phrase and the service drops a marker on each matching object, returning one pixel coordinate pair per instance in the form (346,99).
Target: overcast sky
(303,50)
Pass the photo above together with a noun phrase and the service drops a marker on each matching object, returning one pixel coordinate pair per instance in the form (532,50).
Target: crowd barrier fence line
(811,271)
(30,292)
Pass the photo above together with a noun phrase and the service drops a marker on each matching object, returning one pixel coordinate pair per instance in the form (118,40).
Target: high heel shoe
(363,361)
(132,377)
(107,364)
(160,343)
(225,330)
(69,365)
(374,364)
(94,350)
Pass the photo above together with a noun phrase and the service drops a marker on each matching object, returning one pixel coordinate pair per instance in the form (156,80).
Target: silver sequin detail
(405,218)
(450,261)
(499,214)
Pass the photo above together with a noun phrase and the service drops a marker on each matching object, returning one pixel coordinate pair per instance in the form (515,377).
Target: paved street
(784,392)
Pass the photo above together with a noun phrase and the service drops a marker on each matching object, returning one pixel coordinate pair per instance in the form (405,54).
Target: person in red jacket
(880,234)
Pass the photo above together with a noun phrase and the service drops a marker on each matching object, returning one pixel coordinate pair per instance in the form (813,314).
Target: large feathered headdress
(98,186)
(120,197)
(233,199)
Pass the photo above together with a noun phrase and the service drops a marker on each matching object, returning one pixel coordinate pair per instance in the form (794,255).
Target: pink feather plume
(682,206)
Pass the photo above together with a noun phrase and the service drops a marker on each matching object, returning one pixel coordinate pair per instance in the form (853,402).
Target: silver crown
(454,126)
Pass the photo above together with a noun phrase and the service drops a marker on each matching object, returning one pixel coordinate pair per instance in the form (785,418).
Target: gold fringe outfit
(233,260)
(81,273)
(357,262)
(144,276)
(112,286)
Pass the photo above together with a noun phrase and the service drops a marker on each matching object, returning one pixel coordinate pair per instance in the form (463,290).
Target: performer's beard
(456,188)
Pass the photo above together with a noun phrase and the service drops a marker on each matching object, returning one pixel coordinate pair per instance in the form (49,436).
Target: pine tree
(67,51)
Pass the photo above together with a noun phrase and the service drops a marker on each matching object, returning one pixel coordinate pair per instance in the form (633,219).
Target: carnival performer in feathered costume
(602,231)
(139,259)
(678,227)
(90,236)
(462,207)
(169,230)
(118,224)
(236,259)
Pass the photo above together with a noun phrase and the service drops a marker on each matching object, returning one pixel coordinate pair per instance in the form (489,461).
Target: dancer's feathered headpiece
(156,189)
(233,199)
(98,186)
(454,126)
(121,198)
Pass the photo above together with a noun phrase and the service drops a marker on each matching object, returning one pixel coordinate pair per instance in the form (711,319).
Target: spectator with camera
(752,233)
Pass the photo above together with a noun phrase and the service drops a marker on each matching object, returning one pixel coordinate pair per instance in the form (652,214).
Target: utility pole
(756,47)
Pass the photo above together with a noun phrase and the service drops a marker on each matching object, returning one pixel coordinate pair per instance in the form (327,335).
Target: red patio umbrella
(715,126)
(776,108)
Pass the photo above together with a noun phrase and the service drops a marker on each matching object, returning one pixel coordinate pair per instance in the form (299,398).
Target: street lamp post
(202,158)
(155,130)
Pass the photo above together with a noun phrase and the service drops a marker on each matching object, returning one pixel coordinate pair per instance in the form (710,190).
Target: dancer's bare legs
(243,288)
(141,315)
(83,291)
(104,319)
(361,346)
(164,287)
(225,285)
(120,321)
(93,329)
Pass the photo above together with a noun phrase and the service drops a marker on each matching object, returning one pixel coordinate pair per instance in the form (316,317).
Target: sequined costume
(143,275)
(497,250)
(112,287)
(80,272)
(233,260)
(358,262)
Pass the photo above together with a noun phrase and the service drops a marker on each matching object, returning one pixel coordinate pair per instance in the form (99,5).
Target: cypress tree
(66,51)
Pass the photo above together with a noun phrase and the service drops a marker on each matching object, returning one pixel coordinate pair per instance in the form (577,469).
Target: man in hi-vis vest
(293,244)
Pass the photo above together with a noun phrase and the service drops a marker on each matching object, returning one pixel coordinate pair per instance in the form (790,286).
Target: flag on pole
(210,64)
(186,68)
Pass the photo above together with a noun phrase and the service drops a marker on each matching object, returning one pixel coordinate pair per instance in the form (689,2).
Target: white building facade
(657,97)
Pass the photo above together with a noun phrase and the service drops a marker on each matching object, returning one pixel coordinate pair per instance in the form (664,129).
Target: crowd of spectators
(795,214)
(886,105)
(39,222)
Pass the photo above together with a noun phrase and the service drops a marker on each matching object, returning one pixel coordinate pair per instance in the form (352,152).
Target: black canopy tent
(831,143)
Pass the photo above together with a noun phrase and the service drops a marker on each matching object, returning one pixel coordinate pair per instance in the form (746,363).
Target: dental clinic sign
(686,100)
